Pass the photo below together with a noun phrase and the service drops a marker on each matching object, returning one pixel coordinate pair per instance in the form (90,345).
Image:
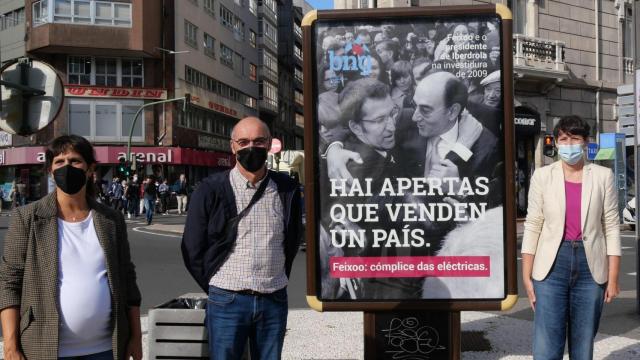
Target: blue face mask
(570,154)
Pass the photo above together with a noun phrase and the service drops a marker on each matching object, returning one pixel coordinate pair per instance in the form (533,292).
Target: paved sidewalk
(339,336)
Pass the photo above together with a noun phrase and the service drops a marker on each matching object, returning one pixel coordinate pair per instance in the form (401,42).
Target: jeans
(149,204)
(568,304)
(107,355)
(232,318)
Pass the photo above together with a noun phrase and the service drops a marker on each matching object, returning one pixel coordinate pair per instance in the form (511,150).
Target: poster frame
(312,157)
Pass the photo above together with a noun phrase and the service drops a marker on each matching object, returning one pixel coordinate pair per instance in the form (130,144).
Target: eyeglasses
(393,116)
(259,142)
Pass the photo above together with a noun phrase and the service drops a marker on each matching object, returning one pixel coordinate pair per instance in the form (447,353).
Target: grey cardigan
(29,275)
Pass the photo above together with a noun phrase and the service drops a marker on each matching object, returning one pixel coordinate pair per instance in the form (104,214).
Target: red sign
(276,146)
(114,92)
(223,109)
(112,154)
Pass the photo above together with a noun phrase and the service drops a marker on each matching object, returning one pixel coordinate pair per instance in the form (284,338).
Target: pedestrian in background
(67,284)
(242,255)
(571,246)
(182,190)
(163,192)
(21,191)
(133,197)
(150,194)
(117,194)
(125,199)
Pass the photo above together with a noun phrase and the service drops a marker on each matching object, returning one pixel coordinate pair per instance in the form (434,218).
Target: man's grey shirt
(257,260)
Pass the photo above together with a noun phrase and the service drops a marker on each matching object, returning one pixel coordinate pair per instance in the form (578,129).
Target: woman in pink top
(570,247)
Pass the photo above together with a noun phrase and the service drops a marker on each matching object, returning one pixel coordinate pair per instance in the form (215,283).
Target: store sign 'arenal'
(114,92)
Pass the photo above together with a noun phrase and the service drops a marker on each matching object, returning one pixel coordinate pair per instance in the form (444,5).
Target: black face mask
(252,158)
(70,179)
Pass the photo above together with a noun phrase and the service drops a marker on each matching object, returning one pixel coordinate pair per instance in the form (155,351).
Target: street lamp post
(186,99)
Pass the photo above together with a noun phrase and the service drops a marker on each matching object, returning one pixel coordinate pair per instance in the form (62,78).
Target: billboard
(409,125)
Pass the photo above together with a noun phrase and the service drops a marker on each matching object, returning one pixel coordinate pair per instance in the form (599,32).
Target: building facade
(569,57)
(290,83)
(113,59)
(12,30)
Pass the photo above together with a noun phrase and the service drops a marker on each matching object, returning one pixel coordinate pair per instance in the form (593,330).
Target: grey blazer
(29,275)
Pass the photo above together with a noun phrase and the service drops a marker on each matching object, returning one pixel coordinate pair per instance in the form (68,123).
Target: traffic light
(124,167)
(549,148)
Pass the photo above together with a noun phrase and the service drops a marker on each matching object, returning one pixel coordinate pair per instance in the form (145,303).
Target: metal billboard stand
(398,323)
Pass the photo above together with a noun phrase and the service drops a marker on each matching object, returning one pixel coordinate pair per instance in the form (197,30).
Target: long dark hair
(76,143)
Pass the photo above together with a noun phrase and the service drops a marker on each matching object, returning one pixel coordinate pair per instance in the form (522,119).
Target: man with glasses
(370,113)
(241,236)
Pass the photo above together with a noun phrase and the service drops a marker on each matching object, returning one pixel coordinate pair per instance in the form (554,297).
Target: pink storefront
(27,164)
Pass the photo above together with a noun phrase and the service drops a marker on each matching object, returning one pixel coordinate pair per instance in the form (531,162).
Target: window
(297,29)
(299,98)
(364,4)
(238,29)
(209,46)
(89,12)
(271,5)
(270,62)
(12,18)
(103,120)
(299,120)
(132,73)
(87,70)
(190,34)
(269,31)
(40,12)
(252,38)
(238,65)
(627,45)
(226,55)
(269,94)
(253,72)
(106,72)
(209,7)
(82,11)
(226,17)
(519,8)
(79,70)
(253,7)
(297,52)
(298,74)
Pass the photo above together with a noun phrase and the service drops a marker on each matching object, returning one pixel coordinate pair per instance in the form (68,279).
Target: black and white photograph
(410,133)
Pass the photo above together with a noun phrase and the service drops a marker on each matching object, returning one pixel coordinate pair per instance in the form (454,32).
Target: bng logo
(355,57)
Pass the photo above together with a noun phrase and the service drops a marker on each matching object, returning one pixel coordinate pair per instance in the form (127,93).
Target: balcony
(538,57)
(267,73)
(268,106)
(266,11)
(94,26)
(266,42)
(297,30)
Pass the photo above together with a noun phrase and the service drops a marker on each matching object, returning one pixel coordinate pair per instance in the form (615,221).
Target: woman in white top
(67,284)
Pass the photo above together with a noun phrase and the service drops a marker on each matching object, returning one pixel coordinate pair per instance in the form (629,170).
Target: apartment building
(216,60)
(569,57)
(12,30)
(290,83)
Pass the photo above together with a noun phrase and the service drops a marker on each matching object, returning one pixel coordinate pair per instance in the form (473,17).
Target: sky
(321,4)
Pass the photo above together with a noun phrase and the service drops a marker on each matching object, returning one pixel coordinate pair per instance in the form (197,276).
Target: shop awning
(606,154)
